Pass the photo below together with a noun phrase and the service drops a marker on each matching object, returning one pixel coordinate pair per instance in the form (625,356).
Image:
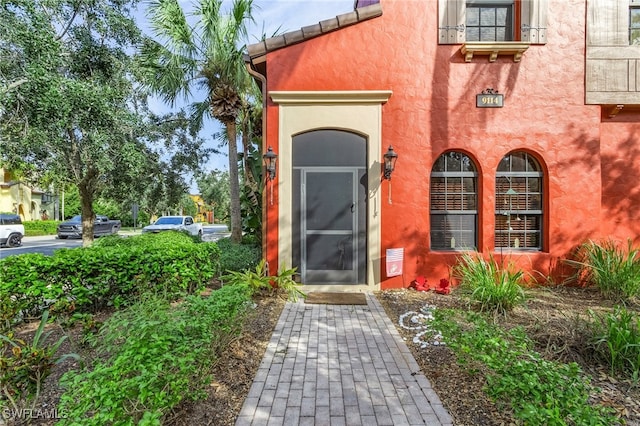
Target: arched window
(519,202)
(454,203)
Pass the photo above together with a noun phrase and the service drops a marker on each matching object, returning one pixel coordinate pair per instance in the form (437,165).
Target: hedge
(111,272)
(40,227)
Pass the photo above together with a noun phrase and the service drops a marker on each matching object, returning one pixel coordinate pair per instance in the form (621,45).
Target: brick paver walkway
(339,365)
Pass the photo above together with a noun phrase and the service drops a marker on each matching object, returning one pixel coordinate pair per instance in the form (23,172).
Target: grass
(493,288)
(537,390)
(611,267)
(615,337)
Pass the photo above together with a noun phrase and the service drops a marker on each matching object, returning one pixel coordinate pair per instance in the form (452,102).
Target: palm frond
(216,64)
(240,13)
(198,111)
(167,73)
(209,13)
(169,23)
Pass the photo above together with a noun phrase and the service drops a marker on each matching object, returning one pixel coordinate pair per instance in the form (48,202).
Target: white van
(11,230)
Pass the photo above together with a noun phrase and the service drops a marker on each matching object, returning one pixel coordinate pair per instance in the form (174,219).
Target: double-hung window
(519,205)
(634,25)
(489,21)
(454,203)
(493,21)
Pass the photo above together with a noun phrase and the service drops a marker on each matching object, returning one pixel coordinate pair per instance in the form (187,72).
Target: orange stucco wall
(620,159)
(592,169)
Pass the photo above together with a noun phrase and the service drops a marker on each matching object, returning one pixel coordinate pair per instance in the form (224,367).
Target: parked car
(175,223)
(11,230)
(101,226)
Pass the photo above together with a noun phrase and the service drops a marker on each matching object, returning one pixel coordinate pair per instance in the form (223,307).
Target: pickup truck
(102,225)
(175,223)
(11,230)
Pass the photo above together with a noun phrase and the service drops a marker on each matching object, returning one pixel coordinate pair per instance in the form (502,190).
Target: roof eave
(257,52)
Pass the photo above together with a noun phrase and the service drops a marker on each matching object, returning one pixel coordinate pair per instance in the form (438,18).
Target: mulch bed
(549,317)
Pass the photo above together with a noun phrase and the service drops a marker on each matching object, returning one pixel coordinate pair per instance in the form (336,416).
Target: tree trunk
(88,215)
(249,178)
(234,183)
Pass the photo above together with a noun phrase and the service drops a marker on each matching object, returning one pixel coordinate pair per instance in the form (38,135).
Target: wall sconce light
(390,158)
(270,159)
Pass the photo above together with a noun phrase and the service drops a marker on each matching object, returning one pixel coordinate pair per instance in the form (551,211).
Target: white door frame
(353,111)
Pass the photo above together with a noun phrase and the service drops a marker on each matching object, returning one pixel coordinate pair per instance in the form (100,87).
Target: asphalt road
(45,244)
(49,243)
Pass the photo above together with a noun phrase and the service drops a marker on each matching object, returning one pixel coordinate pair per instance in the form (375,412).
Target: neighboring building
(204,213)
(516,125)
(16,197)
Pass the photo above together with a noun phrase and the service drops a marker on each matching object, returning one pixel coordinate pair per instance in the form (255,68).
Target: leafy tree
(70,109)
(176,150)
(71,202)
(214,189)
(107,207)
(207,56)
(187,206)
(64,109)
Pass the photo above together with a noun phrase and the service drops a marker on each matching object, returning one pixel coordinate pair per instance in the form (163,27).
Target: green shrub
(613,269)
(616,338)
(250,239)
(154,356)
(24,286)
(495,289)
(24,365)
(40,227)
(157,241)
(112,272)
(112,240)
(539,391)
(258,280)
(238,257)
(284,281)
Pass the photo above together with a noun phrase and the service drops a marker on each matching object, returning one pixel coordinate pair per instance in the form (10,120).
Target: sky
(294,14)
(271,16)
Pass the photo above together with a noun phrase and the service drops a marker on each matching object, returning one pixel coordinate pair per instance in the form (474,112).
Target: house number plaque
(490,98)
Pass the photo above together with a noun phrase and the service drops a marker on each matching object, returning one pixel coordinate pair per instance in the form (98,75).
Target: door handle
(352,207)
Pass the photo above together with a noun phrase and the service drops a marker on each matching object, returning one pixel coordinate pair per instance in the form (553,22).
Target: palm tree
(251,127)
(207,55)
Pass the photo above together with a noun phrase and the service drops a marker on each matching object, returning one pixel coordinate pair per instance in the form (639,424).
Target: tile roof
(257,51)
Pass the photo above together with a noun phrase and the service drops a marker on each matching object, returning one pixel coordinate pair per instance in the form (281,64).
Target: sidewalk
(339,365)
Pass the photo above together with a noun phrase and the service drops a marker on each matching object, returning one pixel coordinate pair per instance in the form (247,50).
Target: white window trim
(533,18)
